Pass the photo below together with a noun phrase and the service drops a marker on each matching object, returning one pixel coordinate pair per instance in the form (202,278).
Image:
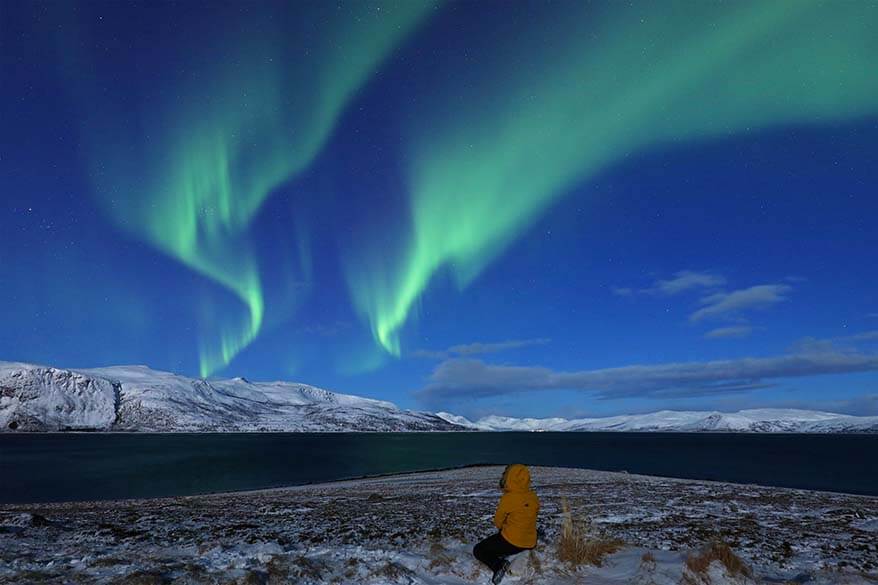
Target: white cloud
(468,378)
(862,405)
(478,348)
(842,343)
(686,280)
(682,280)
(732,331)
(864,336)
(725,304)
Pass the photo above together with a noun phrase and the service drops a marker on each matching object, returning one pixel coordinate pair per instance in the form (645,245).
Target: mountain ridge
(757,420)
(139,399)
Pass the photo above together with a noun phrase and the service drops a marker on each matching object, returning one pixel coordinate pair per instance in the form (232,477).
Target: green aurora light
(557,105)
(250,112)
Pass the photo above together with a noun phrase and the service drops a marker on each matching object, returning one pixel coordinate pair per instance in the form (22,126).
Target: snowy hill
(136,398)
(766,420)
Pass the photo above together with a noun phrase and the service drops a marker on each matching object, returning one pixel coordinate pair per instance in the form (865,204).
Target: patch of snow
(870,525)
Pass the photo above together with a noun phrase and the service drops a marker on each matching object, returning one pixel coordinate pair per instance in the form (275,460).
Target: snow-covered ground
(420,528)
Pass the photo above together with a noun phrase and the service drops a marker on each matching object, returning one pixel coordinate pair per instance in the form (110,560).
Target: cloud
(728,332)
(858,337)
(469,378)
(845,343)
(479,348)
(814,345)
(686,280)
(866,405)
(725,304)
(873,315)
(682,280)
(718,304)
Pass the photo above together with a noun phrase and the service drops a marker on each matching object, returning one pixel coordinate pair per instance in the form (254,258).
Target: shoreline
(342,480)
(4,432)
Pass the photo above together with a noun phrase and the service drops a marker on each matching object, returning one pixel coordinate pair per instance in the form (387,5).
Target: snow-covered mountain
(764,420)
(136,398)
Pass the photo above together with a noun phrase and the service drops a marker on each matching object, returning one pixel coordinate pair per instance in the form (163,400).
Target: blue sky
(725,271)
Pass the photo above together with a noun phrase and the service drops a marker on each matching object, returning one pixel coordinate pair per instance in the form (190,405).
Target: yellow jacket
(516,516)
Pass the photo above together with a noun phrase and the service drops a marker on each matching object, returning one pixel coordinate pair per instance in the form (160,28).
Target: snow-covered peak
(137,398)
(143,378)
(36,397)
(457,420)
(755,420)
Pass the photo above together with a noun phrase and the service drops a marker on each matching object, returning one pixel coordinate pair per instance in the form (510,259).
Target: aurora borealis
(243,121)
(580,103)
(351,193)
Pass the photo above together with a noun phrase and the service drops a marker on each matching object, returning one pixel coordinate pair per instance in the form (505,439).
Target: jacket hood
(516,478)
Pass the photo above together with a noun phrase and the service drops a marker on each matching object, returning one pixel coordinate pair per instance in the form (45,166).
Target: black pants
(494,549)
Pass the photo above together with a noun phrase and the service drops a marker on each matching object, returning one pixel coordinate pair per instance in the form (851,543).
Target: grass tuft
(534,560)
(717,550)
(439,557)
(579,545)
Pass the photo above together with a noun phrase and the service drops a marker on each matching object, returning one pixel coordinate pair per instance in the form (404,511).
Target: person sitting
(515,519)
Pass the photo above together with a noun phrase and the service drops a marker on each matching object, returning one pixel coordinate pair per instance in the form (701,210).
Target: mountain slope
(765,420)
(136,398)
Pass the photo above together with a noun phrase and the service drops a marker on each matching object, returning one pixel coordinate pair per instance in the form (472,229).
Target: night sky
(521,208)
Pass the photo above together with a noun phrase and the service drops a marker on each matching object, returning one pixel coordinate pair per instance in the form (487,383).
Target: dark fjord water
(61,467)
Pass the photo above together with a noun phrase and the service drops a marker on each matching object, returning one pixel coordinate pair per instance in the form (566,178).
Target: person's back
(515,518)
(516,515)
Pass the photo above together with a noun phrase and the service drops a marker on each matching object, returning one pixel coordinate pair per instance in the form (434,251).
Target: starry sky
(529,209)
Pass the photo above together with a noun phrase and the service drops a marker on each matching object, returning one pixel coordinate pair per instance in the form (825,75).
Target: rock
(39,521)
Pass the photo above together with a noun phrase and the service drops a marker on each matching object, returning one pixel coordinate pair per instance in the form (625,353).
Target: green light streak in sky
(559,105)
(247,115)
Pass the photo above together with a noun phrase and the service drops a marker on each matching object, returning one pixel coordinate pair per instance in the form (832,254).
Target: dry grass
(646,572)
(351,567)
(717,551)
(439,557)
(578,544)
(534,560)
(393,571)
